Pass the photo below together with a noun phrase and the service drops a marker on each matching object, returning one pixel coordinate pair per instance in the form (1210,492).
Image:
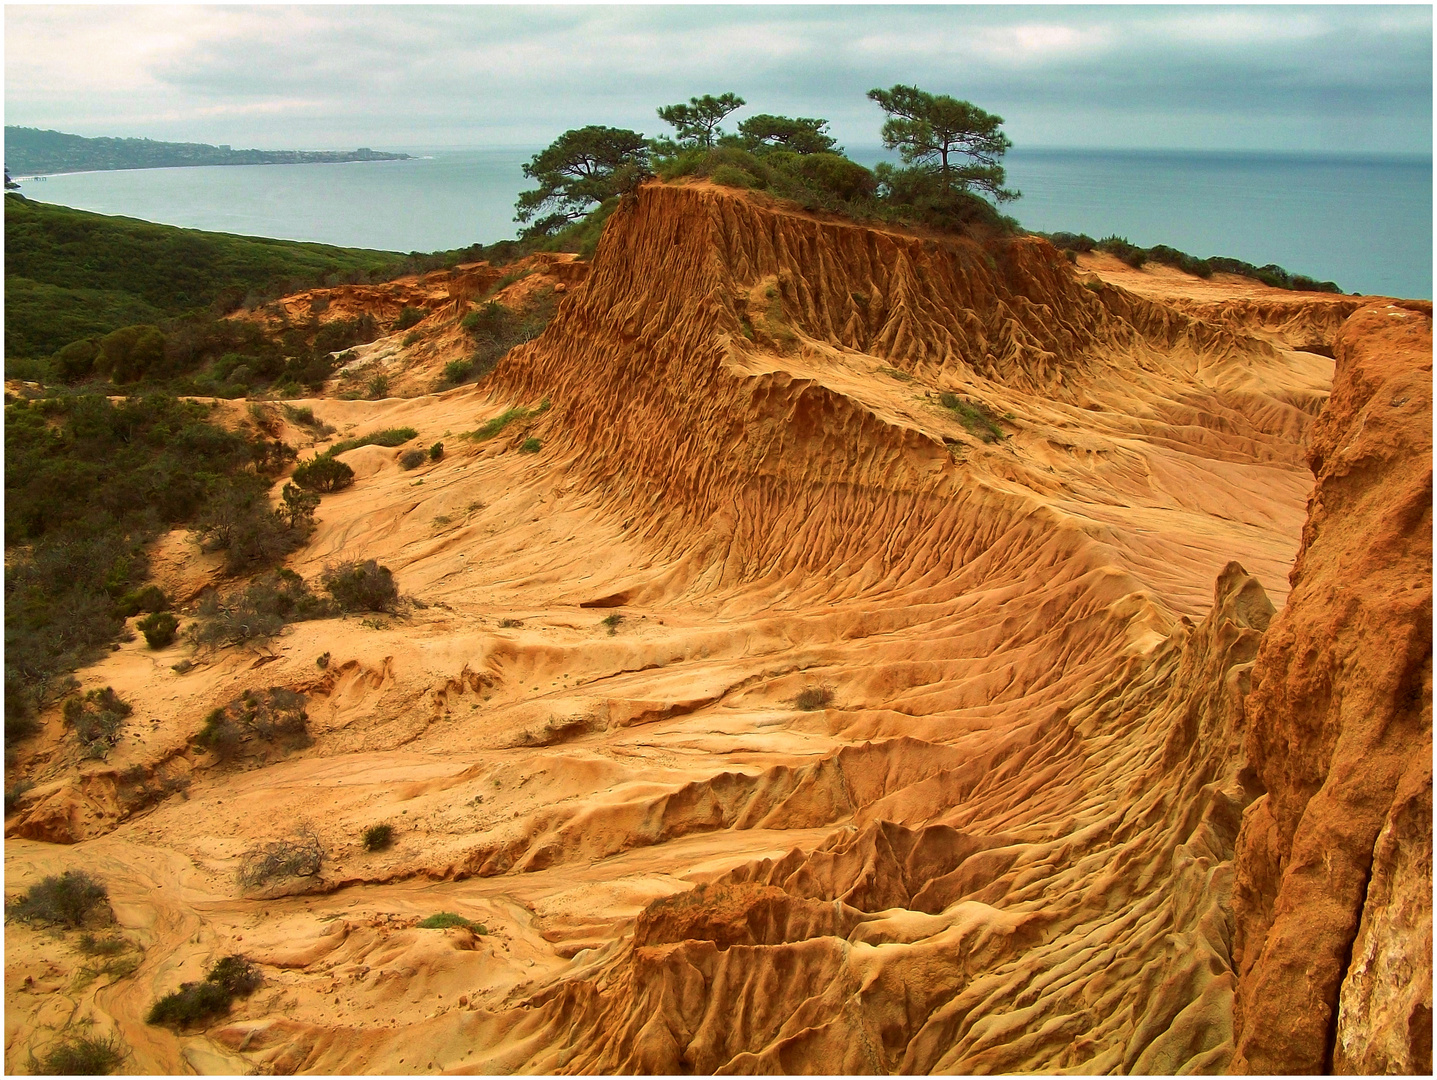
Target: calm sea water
(1362,221)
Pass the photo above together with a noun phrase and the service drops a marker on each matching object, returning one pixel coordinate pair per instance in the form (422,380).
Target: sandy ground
(551,776)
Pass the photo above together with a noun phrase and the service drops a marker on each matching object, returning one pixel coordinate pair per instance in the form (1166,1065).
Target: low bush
(240,522)
(71,899)
(159,629)
(446,919)
(530,446)
(96,719)
(378,837)
(258,611)
(412,459)
(361,586)
(150,598)
(232,977)
(408,316)
(378,386)
(612,622)
(456,371)
(273,716)
(81,1055)
(436,452)
(298,856)
(815,697)
(323,473)
(974,416)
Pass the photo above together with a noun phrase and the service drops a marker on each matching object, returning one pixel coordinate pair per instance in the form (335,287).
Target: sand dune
(1088,783)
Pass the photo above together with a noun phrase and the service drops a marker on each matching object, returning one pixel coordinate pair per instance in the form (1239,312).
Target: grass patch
(491,428)
(974,416)
(894,373)
(814,698)
(388,437)
(81,1055)
(71,899)
(446,919)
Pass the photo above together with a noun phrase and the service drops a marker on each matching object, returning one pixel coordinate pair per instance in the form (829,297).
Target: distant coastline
(34,152)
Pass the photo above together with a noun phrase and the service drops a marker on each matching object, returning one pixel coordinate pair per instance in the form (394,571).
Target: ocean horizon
(1363,221)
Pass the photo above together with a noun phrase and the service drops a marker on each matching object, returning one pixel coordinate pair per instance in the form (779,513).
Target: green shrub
(378,837)
(323,473)
(733,176)
(408,317)
(232,977)
(96,719)
(815,697)
(149,598)
(456,371)
(82,1055)
(388,437)
(361,586)
(612,621)
(378,386)
(436,452)
(258,611)
(412,459)
(446,919)
(159,629)
(530,446)
(276,715)
(240,521)
(71,899)
(974,416)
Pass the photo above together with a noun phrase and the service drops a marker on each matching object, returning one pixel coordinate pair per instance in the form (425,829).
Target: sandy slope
(1006,843)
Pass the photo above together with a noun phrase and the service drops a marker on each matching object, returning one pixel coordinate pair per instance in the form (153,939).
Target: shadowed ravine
(1090,790)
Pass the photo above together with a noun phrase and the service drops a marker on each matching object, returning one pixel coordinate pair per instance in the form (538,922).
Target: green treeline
(32,150)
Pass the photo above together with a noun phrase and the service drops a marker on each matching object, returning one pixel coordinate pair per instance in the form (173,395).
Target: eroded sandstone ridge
(881,660)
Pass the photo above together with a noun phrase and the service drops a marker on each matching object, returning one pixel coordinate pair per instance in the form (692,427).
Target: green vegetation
(436,452)
(378,837)
(257,611)
(31,150)
(578,172)
(815,697)
(530,445)
(72,899)
(496,329)
(408,316)
(96,719)
(446,919)
(72,275)
(1271,275)
(273,716)
(159,628)
(322,473)
(232,977)
(491,428)
(88,483)
(612,621)
(950,147)
(974,416)
(412,459)
(361,586)
(81,1055)
(387,437)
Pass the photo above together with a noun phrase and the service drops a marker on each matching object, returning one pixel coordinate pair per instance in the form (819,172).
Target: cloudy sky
(1216,77)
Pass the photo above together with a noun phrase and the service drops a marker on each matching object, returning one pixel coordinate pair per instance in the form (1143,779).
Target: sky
(1283,78)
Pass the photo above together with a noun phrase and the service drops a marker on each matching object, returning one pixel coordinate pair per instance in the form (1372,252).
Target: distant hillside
(71,274)
(33,151)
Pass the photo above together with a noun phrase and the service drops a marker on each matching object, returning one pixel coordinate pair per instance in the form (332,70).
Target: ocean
(1363,221)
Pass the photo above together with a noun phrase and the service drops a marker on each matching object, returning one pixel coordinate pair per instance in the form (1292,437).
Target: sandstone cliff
(952,712)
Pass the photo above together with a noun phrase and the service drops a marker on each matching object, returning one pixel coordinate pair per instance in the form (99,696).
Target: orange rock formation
(1073,793)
